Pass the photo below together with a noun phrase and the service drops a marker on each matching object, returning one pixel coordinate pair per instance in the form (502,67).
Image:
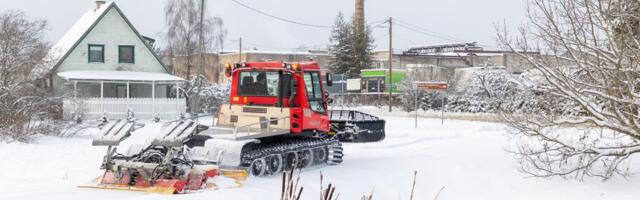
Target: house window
(126,54)
(96,53)
(115,90)
(88,89)
(139,90)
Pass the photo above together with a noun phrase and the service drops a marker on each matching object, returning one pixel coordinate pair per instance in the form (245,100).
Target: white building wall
(111,31)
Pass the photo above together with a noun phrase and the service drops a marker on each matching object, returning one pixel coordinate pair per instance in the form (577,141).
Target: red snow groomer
(277,117)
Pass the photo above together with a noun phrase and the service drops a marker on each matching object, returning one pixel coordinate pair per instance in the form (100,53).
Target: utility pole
(240,50)
(201,70)
(390,63)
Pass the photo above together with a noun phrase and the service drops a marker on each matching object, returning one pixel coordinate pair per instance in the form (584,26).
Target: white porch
(95,93)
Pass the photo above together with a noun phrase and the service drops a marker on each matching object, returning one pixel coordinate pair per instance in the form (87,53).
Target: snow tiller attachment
(356,126)
(162,165)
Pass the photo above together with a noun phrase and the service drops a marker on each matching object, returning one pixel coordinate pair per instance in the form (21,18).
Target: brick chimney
(359,16)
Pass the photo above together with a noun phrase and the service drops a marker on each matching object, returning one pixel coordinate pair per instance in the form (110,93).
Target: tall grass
(292,187)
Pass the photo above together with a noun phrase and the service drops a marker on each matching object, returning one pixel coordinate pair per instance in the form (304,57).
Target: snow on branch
(590,122)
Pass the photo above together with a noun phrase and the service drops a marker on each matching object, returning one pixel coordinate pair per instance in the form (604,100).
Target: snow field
(467,158)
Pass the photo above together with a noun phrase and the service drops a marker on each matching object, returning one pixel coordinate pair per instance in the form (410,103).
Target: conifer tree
(340,48)
(350,51)
(362,50)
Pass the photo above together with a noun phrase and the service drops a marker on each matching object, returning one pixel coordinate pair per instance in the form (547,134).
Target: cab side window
(314,91)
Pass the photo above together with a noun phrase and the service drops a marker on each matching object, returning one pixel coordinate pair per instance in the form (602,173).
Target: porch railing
(116,108)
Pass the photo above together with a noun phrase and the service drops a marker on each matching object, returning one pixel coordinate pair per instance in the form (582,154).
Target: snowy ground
(468,158)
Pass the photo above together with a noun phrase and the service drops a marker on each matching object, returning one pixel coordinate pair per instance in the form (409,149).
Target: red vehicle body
(303,117)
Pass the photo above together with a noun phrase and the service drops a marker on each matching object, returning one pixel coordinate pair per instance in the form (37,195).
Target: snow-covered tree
(349,50)
(25,108)
(363,45)
(341,46)
(212,96)
(588,122)
(491,83)
(408,99)
(21,46)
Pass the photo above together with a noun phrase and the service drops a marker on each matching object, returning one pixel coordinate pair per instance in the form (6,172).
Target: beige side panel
(238,115)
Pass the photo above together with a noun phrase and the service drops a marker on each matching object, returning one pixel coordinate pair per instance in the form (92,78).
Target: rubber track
(374,136)
(294,145)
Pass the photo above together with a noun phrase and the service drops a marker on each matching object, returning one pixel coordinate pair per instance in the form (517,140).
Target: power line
(440,35)
(428,32)
(266,47)
(379,25)
(279,18)
(409,41)
(261,46)
(377,22)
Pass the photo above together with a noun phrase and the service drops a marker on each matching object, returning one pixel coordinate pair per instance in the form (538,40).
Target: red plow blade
(193,182)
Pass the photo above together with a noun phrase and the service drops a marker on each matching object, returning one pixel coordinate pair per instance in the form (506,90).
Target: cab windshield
(258,84)
(314,91)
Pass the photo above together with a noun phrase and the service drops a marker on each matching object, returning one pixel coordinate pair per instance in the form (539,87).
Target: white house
(103,65)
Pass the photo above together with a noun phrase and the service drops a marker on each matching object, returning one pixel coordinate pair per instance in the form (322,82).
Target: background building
(450,56)
(214,62)
(179,66)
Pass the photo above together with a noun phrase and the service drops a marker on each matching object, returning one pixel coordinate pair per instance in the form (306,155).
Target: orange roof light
(295,66)
(227,70)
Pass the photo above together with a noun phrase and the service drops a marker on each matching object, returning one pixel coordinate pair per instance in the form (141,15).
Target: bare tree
(21,46)
(182,33)
(588,97)
(184,36)
(25,108)
(409,96)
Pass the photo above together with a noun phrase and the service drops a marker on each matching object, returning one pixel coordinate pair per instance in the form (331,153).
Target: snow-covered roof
(78,29)
(118,76)
(395,51)
(76,33)
(69,39)
(401,52)
(421,65)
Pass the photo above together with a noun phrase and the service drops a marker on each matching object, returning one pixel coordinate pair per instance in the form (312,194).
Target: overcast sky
(467,20)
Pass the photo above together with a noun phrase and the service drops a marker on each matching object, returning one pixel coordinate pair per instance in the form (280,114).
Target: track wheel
(319,155)
(290,160)
(274,164)
(335,154)
(305,158)
(257,167)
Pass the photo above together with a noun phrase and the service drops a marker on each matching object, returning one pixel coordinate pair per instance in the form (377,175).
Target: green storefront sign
(372,80)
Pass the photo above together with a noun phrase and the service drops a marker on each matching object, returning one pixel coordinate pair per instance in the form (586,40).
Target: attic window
(126,54)
(96,53)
